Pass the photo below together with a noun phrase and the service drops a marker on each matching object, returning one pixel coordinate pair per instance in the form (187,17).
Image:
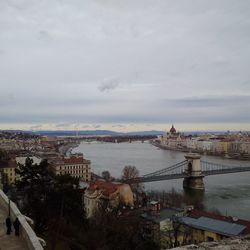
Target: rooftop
(165,213)
(8,164)
(213,225)
(107,187)
(72,160)
(172,130)
(198,213)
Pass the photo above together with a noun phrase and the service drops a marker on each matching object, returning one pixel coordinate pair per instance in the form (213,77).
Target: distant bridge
(192,170)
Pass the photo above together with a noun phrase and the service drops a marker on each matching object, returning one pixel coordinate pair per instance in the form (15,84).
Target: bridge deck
(226,171)
(173,176)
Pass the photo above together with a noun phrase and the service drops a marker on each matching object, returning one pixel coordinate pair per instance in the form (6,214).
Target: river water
(229,193)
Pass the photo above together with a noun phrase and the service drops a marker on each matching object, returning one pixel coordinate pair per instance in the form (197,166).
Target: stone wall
(26,231)
(227,244)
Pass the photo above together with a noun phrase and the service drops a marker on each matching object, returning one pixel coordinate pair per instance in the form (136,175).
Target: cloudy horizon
(125,65)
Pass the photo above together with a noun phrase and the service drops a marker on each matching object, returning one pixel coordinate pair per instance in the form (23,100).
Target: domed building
(172,139)
(172,130)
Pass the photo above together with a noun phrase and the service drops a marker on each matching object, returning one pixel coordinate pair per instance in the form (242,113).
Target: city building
(245,147)
(8,168)
(226,144)
(207,226)
(170,227)
(172,139)
(157,221)
(106,195)
(74,165)
(8,171)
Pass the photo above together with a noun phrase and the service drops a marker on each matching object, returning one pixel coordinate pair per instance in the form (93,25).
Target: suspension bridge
(192,170)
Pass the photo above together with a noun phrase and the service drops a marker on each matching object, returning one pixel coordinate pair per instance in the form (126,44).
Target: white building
(192,143)
(204,145)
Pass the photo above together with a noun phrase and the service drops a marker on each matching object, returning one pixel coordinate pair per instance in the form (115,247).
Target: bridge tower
(194,178)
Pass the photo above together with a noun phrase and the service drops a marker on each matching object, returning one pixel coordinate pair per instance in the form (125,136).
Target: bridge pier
(194,178)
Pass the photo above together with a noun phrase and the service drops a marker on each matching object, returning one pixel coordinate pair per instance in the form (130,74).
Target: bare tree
(106,175)
(130,172)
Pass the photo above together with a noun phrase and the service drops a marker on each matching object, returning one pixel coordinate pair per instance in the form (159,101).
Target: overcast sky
(125,65)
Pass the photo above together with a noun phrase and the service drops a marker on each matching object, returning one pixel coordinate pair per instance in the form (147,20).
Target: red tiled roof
(107,187)
(194,213)
(75,160)
(9,164)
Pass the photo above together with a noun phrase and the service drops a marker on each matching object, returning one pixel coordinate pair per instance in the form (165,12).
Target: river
(229,193)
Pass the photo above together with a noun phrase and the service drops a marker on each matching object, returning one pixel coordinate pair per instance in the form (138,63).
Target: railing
(26,231)
(161,177)
(163,171)
(209,168)
(175,171)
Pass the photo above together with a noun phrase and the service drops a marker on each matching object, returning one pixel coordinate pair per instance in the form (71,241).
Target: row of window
(9,170)
(74,167)
(80,176)
(75,171)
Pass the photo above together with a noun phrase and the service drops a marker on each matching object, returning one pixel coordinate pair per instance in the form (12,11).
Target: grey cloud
(36,127)
(62,125)
(107,86)
(119,126)
(212,101)
(7,99)
(96,126)
(178,115)
(185,61)
(85,126)
(45,36)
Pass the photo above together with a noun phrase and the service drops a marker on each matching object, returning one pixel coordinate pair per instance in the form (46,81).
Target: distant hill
(112,133)
(151,132)
(94,132)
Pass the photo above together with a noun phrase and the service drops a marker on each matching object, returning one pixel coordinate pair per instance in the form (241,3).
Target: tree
(3,155)
(130,172)
(65,213)
(115,232)
(35,182)
(167,199)
(172,231)
(106,175)
(53,202)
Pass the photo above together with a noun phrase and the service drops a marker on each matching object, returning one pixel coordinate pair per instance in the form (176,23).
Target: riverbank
(222,191)
(232,156)
(66,149)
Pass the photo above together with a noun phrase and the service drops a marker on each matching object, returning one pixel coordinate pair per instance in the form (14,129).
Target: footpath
(9,242)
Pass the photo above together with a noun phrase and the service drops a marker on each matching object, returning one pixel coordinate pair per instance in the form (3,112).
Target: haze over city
(125,65)
(124,124)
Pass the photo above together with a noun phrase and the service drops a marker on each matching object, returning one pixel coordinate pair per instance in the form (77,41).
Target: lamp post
(9,207)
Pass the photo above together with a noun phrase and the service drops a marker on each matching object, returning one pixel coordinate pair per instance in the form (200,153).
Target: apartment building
(8,168)
(106,195)
(74,165)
